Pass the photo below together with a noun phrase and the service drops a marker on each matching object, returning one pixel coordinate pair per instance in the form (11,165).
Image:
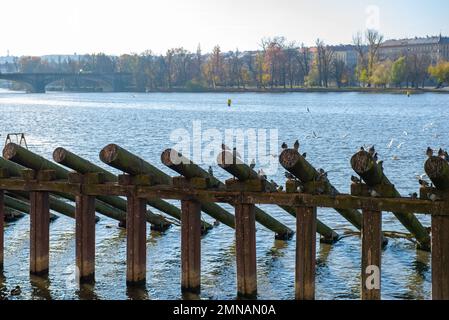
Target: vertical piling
(191,246)
(245,234)
(136,229)
(305,253)
(40,232)
(2,226)
(371,254)
(440,257)
(85,238)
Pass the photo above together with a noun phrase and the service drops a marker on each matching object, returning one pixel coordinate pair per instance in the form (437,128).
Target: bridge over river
(36,82)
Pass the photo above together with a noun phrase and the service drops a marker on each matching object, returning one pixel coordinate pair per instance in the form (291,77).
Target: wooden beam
(245,247)
(191,246)
(85,238)
(136,239)
(305,253)
(40,232)
(2,229)
(440,257)
(371,254)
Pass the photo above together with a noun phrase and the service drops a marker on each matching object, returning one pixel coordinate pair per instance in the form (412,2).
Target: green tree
(399,72)
(440,72)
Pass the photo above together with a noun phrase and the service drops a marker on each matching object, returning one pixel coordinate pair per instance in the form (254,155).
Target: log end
(10,151)
(171,157)
(361,162)
(436,167)
(59,155)
(289,158)
(109,153)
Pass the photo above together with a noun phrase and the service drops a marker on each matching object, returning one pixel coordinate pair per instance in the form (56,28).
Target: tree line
(278,63)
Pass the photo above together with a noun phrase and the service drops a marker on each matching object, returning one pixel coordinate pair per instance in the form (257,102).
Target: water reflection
(40,288)
(87,292)
(138,292)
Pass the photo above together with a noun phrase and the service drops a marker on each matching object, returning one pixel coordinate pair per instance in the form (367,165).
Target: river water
(330,126)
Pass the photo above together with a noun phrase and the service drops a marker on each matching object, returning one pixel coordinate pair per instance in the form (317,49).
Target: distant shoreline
(276,90)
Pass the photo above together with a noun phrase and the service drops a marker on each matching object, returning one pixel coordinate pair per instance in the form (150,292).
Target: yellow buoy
(229,102)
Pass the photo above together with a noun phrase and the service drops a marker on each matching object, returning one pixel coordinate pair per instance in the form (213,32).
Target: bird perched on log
(296,145)
(322,174)
(274,184)
(414,196)
(441,153)
(429,152)
(362,148)
(375,157)
(289,176)
(262,174)
(381,164)
(355,180)
(16,291)
(284,146)
(446,156)
(280,188)
(372,151)
(210,171)
(252,165)
(300,189)
(423,183)
(304,155)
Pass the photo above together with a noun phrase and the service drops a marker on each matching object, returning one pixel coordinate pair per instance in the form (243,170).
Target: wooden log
(24,207)
(81,165)
(437,169)
(371,255)
(85,238)
(297,165)
(305,253)
(26,158)
(125,161)
(245,247)
(243,172)
(136,240)
(2,229)
(372,173)
(191,246)
(440,257)
(12,215)
(177,162)
(39,234)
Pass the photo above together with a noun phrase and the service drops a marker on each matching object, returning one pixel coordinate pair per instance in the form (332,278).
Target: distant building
(437,48)
(346,53)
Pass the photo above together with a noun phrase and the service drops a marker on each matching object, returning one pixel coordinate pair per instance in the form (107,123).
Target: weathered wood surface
(373,175)
(85,238)
(440,257)
(191,246)
(2,229)
(77,163)
(39,232)
(437,169)
(297,165)
(243,172)
(245,247)
(24,207)
(177,162)
(371,255)
(305,253)
(136,241)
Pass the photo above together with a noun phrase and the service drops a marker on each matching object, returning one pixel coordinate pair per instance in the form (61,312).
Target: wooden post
(136,229)
(305,253)
(371,254)
(191,246)
(440,257)
(2,226)
(245,247)
(39,234)
(85,238)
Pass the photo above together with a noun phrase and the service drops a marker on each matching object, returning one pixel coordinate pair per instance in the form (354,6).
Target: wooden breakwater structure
(34,185)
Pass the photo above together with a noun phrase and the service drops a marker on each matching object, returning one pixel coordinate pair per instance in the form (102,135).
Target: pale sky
(37,27)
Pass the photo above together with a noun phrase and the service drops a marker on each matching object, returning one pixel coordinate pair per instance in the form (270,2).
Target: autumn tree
(440,72)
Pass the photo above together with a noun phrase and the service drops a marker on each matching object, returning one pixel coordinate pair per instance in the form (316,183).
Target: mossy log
(126,161)
(22,206)
(112,207)
(243,172)
(177,162)
(81,165)
(373,175)
(437,169)
(297,165)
